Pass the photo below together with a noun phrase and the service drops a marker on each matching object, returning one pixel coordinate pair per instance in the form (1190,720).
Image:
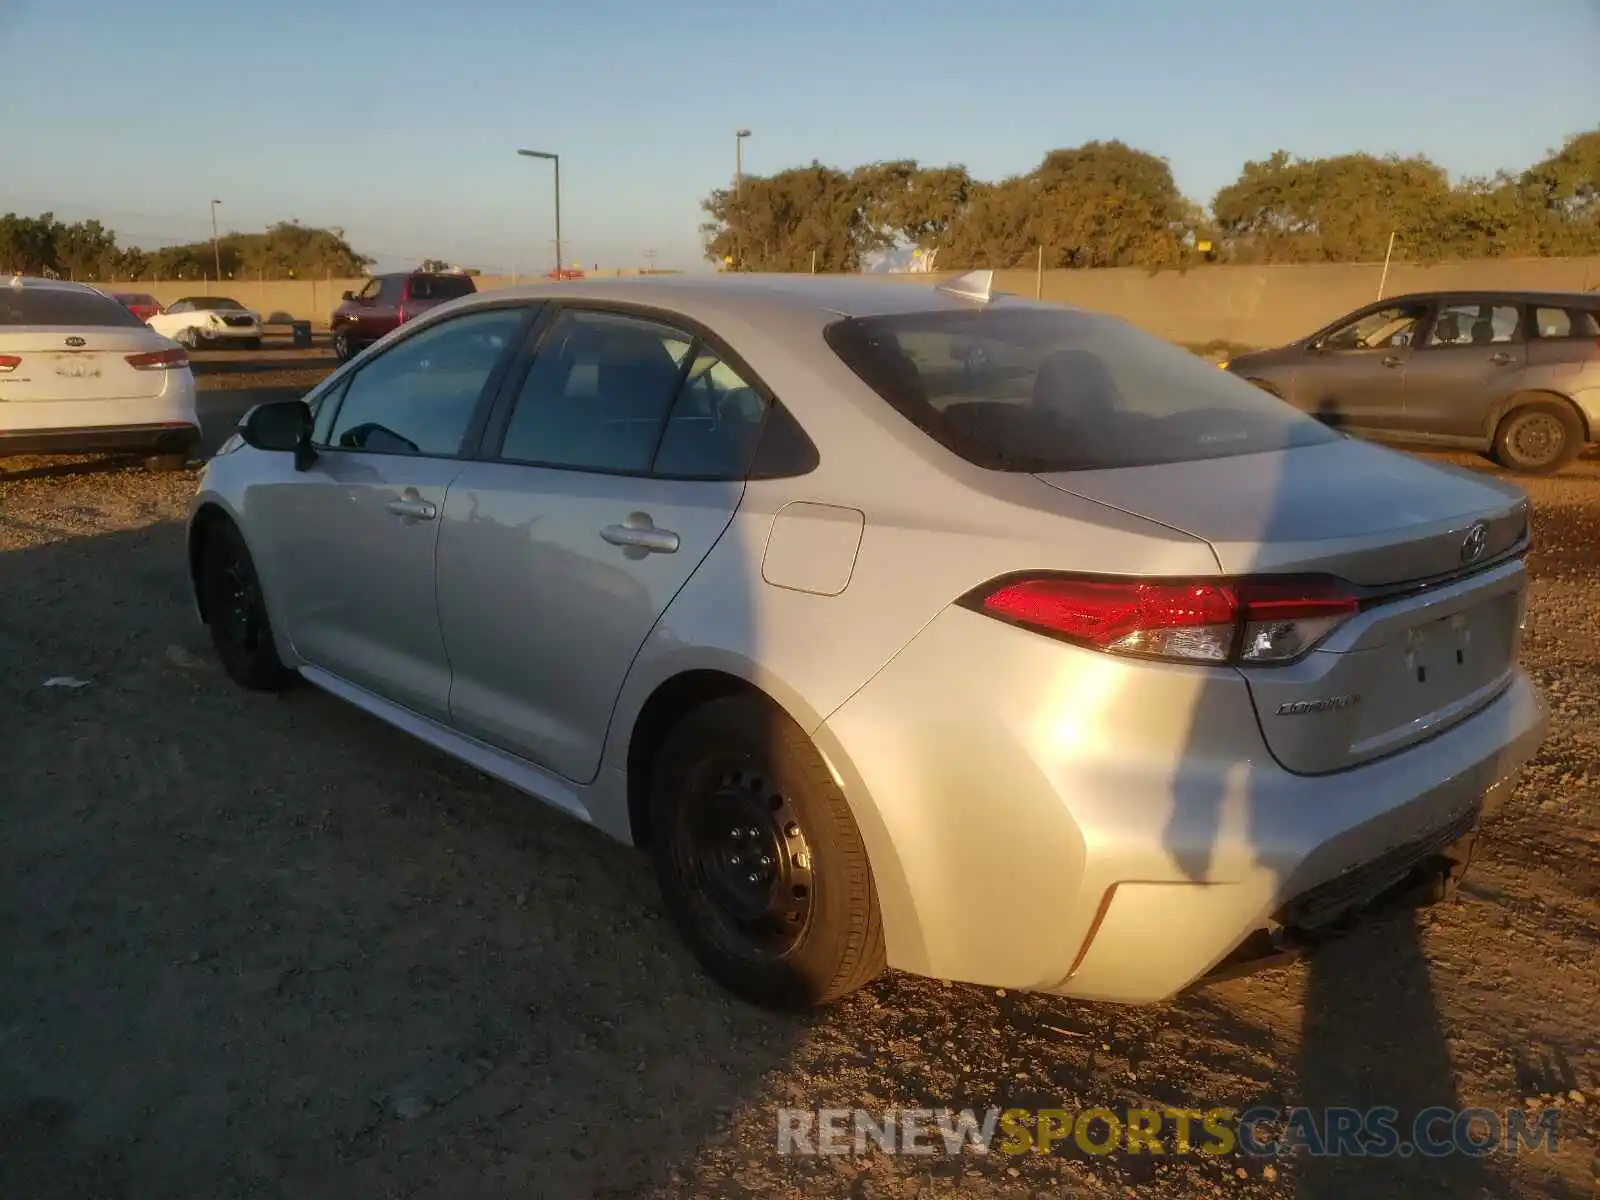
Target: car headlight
(1223,365)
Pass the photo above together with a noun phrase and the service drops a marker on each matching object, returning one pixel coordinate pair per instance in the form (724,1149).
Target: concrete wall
(1252,306)
(1265,306)
(304,300)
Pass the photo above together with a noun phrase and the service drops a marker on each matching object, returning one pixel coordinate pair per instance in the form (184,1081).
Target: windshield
(216,302)
(62,307)
(1029,389)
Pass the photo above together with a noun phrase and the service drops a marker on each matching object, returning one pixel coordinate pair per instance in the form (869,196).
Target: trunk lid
(1435,550)
(52,370)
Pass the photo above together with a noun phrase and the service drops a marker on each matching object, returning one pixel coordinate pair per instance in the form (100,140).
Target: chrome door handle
(1391,361)
(417,510)
(1500,358)
(642,537)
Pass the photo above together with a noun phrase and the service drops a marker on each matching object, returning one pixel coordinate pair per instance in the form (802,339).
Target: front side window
(182,306)
(1471,323)
(1032,390)
(1390,328)
(419,396)
(597,393)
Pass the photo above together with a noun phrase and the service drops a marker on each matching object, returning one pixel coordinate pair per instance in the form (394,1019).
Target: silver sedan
(906,626)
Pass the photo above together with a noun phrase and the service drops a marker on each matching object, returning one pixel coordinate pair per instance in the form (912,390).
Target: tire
(809,932)
(165,462)
(1538,437)
(236,614)
(188,338)
(343,348)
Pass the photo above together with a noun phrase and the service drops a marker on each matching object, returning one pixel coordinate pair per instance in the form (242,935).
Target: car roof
(708,297)
(64,285)
(1515,294)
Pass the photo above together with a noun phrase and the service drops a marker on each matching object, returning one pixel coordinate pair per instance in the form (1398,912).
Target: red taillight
(1196,620)
(9,362)
(159,360)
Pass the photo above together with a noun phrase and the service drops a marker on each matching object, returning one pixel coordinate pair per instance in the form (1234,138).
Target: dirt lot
(265,946)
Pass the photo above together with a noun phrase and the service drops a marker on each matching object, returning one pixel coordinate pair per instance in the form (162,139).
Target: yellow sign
(1203,247)
(727,260)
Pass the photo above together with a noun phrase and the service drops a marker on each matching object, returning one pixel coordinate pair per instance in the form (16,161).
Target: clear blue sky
(398,119)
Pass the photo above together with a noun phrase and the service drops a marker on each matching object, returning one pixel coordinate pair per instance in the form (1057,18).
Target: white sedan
(80,374)
(200,321)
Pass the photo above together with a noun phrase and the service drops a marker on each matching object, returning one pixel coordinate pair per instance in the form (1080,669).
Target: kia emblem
(1475,543)
(75,341)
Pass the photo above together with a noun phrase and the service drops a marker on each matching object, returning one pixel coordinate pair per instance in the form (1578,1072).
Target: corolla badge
(1475,543)
(76,341)
(1299,708)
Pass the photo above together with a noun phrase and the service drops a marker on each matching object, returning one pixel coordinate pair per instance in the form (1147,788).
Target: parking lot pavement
(263,946)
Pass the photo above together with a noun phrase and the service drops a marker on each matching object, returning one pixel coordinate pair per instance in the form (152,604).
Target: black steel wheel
(761,863)
(236,611)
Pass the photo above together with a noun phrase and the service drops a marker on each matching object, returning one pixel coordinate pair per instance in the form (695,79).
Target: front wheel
(236,612)
(761,864)
(189,338)
(1538,438)
(343,348)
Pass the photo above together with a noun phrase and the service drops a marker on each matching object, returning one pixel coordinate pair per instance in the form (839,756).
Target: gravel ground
(265,946)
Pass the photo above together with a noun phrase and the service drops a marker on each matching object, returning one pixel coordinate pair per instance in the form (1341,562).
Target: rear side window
(598,393)
(1029,389)
(63,307)
(441,287)
(1471,323)
(1565,323)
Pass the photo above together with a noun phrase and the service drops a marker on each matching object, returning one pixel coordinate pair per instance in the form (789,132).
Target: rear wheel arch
(1522,399)
(1514,416)
(673,699)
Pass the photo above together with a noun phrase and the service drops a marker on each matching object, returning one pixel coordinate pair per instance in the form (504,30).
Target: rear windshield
(1029,389)
(441,287)
(62,306)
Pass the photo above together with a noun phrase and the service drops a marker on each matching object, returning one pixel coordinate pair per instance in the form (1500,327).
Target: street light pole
(216,247)
(555,160)
(739,136)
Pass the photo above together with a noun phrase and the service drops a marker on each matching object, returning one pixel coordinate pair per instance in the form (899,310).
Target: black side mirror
(349,296)
(283,426)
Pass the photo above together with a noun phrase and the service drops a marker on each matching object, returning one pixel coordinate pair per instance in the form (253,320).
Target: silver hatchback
(918,627)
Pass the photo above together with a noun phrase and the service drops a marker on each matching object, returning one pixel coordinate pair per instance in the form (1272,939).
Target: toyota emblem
(1475,543)
(75,341)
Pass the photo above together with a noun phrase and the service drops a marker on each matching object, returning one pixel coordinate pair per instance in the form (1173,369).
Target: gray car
(990,640)
(1513,374)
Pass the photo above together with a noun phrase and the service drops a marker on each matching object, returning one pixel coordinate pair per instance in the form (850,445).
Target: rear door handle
(1392,361)
(642,536)
(1500,357)
(413,507)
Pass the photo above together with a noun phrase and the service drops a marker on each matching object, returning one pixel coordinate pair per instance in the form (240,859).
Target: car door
(1355,373)
(1472,355)
(381,313)
(621,460)
(352,538)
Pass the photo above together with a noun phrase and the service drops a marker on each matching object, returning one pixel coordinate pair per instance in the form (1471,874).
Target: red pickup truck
(387,302)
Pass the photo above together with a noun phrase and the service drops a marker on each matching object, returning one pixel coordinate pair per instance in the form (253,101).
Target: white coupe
(201,321)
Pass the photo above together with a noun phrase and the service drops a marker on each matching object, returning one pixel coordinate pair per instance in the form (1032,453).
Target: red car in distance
(139,304)
(387,302)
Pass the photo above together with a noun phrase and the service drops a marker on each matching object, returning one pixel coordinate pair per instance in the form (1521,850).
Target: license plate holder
(76,366)
(1435,648)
